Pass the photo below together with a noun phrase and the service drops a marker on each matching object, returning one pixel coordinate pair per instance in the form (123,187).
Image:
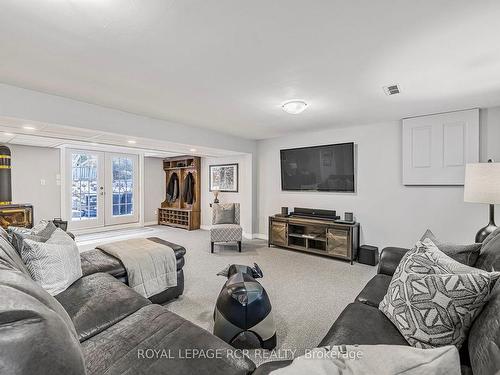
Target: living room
(219,187)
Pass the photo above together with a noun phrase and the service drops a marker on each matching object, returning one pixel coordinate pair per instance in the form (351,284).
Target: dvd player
(315,213)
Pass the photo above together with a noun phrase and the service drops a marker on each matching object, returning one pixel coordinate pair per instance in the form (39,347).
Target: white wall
(389,213)
(154,188)
(30,165)
(243,196)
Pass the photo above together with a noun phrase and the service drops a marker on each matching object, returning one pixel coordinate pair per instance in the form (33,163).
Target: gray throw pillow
(44,228)
(430,303)
(18,237)
(465,254)
(224,213)
(54,264)
(489,259)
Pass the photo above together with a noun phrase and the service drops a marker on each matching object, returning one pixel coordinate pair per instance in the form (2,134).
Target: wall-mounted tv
(318,168)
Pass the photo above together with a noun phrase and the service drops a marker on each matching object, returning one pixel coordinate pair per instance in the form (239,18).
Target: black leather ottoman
(94,261)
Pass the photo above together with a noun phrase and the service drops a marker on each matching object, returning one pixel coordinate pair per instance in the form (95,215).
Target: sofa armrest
(389,259)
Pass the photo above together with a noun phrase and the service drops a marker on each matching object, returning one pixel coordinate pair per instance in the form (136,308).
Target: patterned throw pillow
(432,301)
(465,254)
(18,237)
(54,264)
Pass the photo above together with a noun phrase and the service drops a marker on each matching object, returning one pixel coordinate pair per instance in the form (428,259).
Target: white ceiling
(12,131)
(228,64)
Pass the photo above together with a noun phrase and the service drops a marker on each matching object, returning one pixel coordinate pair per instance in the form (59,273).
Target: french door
(101,188)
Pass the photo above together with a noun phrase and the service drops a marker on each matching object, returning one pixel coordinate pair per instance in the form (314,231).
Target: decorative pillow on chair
(433,300)
(224,213)
(54,264)
(465,254)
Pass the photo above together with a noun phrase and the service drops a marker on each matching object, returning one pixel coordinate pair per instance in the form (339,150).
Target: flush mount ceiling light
(131,141)
(28,127)
(192,149)
(8,134)
(294,107)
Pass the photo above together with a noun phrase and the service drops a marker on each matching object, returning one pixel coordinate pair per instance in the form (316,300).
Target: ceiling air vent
(392,90)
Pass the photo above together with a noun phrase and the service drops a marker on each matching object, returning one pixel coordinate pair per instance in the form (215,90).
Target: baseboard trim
(149,223)
(261,236)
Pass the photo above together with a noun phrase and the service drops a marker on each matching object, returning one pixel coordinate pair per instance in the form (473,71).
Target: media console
(314,235)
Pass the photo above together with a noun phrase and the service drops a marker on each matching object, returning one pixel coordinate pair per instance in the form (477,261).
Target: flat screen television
(318,168)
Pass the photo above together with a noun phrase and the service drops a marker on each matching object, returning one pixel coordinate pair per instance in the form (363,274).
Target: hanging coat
(173,188)
(188,192)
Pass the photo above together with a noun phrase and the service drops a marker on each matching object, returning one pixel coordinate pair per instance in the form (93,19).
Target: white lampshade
(482,183)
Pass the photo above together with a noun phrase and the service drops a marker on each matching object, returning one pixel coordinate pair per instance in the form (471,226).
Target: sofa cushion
(54,264)
(374,291)
(465,254)
(98,301)
(122,347)
(36,334)
(361,323)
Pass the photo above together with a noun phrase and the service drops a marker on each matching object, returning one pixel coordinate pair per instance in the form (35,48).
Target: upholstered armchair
(225,224)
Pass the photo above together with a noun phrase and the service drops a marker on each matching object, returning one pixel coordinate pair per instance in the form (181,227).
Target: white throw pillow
(54,264)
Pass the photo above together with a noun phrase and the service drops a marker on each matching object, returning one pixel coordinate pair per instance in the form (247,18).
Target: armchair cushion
(226,233)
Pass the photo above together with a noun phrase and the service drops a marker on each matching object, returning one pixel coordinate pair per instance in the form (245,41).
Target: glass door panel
(85,190)
(121,184)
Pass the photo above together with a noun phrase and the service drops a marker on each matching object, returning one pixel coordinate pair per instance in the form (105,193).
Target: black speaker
(348,216)
(368,255)
(284,210)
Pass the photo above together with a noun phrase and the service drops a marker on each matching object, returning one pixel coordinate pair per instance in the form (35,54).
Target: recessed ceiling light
(28,127)
(294,107)
(8,134)
(192,150)
(131,141)
(94,144)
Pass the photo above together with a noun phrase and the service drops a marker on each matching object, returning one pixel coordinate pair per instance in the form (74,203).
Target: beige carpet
(307,292)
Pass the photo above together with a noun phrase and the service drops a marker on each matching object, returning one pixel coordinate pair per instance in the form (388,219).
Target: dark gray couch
(97,326)
(363,323)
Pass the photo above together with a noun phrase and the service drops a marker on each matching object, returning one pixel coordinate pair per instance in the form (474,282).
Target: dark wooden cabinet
(318,236)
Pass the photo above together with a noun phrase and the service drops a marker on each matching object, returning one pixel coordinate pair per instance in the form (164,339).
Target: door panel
(121,189)
(85,188)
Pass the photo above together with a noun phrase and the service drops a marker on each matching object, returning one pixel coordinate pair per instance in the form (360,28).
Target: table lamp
(482,185)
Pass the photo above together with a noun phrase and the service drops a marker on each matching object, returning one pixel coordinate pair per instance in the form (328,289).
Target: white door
(121,189)
(101,188)
(85,188)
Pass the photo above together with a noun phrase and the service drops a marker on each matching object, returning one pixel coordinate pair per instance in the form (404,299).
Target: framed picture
(223,177)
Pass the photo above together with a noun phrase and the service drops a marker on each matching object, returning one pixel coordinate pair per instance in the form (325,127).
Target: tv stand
(315,235)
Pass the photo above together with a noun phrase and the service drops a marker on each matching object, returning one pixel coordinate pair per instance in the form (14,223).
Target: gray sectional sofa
(363,323)
(98,326)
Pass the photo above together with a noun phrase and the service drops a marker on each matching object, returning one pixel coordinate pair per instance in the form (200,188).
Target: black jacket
(188,192)
(173,188)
